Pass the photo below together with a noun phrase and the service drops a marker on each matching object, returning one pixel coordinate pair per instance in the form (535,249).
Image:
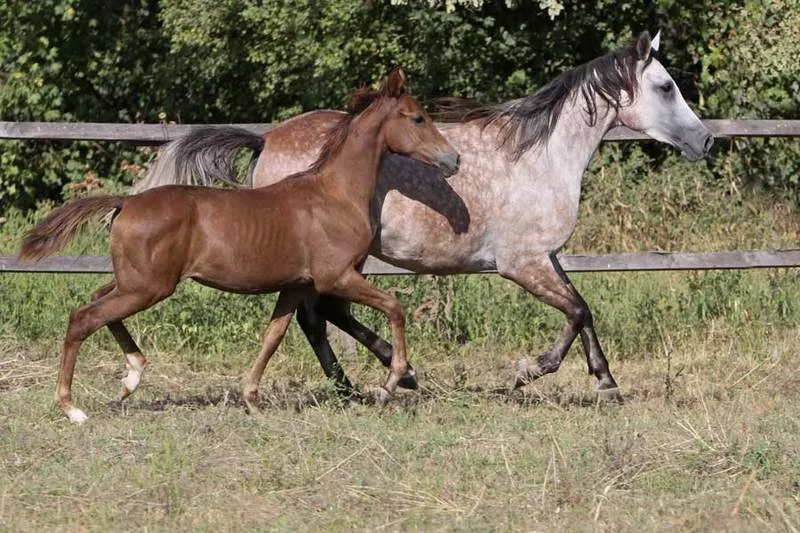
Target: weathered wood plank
(96,131)
(640,261)
(159,133)
(724,128)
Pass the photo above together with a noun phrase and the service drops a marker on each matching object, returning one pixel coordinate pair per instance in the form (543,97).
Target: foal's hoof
(610,395)
(252,402)
(525,372)
(409,380)
(129,384)
(75,415)
(382,396)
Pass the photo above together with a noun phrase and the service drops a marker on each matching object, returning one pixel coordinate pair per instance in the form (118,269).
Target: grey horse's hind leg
(337,312)
(315,330)
(546,280)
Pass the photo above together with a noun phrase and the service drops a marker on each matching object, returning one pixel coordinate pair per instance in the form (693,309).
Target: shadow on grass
(297,395)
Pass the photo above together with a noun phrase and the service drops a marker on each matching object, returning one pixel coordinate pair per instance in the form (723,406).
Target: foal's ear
(643,45)
(395,83)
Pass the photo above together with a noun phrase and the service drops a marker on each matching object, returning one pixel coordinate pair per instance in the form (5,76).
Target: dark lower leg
(595,358)
(314,328)
(338,313)
(543,281)
(352,286)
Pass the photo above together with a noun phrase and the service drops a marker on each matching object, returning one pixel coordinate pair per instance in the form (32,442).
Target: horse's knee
(580,316)
(79,326)
(395,313)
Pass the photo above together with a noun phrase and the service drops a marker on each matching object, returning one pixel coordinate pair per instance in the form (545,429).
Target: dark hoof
(353,396)
(409,380)
(610,395)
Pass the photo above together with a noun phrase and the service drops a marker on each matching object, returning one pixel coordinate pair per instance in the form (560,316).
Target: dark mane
(533,118)
(357,103)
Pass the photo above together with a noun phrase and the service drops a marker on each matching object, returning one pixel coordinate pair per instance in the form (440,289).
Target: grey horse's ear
(643,46)
(656,42)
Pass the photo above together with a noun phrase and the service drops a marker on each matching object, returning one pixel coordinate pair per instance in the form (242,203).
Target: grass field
(707,440)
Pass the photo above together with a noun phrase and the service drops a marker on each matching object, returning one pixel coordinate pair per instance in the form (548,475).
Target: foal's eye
(666,87)
(419,119)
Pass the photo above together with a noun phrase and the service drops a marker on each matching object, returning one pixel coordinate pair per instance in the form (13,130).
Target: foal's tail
(61,224)
(201,157)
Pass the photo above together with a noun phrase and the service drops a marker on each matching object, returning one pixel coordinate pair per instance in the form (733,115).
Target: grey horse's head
(658,109)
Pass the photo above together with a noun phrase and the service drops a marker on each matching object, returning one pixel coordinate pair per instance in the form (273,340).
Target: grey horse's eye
(667,87)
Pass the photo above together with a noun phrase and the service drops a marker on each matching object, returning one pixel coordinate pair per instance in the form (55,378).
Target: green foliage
(67,60)
(248,61)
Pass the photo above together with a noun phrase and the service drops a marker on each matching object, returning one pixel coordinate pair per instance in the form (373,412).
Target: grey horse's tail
(202,157)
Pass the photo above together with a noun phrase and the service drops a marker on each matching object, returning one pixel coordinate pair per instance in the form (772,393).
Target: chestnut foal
(306,234)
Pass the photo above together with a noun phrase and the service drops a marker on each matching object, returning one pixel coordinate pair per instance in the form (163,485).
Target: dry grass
(708,439)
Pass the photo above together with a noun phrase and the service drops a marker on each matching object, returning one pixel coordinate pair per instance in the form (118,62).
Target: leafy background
(195,61)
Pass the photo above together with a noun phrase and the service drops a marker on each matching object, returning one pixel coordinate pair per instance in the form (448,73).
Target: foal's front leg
(273,335)
(352,286)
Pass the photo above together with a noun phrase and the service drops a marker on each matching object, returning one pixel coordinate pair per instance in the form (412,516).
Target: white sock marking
(75,415)
(135,368)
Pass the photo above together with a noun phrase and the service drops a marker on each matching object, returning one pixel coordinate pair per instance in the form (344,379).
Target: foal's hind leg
(338,313)
(133,355)
(276,329)
(546,280)
(110,307)
(352,286)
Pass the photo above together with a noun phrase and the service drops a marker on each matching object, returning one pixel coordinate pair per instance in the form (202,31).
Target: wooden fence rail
(644,261)
(159,133)
(640,261)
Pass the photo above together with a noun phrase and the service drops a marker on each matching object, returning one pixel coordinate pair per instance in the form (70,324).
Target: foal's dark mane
(357,103)
(533,118)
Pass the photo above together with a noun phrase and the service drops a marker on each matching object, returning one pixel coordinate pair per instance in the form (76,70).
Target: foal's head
(407,128)
(657,107)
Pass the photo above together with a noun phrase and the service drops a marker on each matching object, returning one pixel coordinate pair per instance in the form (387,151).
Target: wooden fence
(160,133)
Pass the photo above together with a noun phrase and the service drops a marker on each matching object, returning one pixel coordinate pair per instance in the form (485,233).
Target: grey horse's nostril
(709,142)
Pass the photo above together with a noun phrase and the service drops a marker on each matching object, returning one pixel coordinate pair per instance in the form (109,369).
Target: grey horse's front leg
(544,278)
(314,328)
(337,312)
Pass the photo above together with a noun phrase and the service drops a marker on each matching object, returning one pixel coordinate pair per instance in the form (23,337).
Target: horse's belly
(432,251)
(251,273)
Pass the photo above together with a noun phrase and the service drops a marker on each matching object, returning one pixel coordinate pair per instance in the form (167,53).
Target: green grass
(708,440)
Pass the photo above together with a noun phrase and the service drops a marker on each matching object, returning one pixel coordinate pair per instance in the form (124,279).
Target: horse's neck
(353,170)
(563,158)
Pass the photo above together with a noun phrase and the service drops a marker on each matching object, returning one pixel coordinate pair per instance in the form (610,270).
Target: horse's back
(293,146)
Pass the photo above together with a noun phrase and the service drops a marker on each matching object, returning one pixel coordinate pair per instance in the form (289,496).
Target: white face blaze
(660,111)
